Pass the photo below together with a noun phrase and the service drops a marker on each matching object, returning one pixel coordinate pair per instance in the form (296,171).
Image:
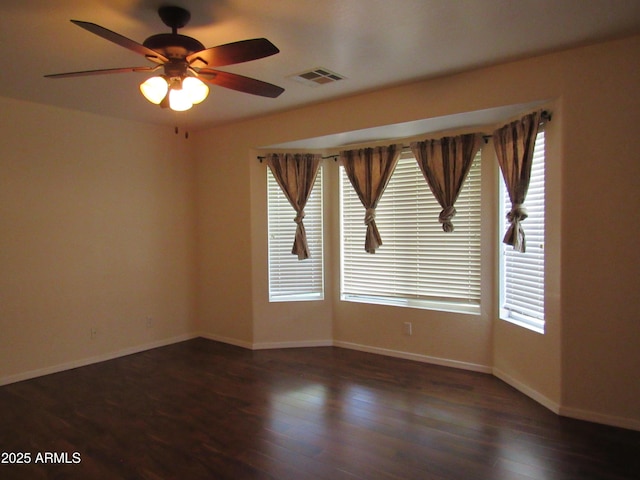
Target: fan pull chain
(186,133)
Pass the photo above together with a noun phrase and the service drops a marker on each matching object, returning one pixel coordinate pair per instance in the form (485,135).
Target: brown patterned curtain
(445,164)
(369,171)
(296,174)
(514,144)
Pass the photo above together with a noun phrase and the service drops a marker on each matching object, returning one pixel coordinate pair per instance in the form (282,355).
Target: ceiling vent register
(317,76)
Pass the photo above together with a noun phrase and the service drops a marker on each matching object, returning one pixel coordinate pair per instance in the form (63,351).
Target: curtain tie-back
(445,218)
(369,216)
(515,233)
(299,217)
(517,213)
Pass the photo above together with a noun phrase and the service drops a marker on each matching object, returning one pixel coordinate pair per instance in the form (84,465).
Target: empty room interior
(138,253)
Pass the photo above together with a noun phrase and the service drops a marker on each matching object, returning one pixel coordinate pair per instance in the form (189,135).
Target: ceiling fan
(186,63)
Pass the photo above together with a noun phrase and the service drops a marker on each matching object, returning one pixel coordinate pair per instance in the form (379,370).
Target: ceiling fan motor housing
(173,45)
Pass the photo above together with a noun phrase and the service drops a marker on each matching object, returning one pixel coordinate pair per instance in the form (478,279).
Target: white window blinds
(418,264)
(522,275)
(291,279)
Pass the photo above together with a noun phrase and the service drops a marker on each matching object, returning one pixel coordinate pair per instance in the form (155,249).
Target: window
(291,279)
(418,265)
(522,274)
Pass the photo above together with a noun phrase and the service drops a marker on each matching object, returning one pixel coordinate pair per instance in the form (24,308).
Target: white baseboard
(294,344)
(267,345)
(95,359)
(612,421)
(528,391)
(414,356)
(228,340)
(352,346)
(575,413)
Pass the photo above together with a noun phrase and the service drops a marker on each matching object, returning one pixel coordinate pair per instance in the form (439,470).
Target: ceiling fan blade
(122,41)
(102,71)
(240,83)
(231,53)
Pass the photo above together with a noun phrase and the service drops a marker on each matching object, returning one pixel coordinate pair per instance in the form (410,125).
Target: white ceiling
(373,43)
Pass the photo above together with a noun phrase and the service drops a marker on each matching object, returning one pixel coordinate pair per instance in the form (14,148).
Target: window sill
(303,297)
(441,306)
(536,326)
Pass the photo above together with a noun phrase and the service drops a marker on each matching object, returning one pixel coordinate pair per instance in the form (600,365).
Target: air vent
(317,76)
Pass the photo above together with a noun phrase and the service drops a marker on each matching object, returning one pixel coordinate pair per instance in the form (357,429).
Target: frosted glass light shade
(183,93)
(197,90)
(179,100)
(154,89)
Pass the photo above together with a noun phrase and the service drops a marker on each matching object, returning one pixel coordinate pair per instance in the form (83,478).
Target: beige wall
(97,229)
(587,361)
(601,264)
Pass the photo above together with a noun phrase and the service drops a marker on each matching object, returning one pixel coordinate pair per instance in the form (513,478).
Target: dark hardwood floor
(206,410)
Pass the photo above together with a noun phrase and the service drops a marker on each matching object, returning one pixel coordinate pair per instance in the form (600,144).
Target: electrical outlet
(94,332)
(407,328)
(149,322)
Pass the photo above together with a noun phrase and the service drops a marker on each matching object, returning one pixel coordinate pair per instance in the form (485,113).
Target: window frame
(536,256)
(295,270)
(425,216)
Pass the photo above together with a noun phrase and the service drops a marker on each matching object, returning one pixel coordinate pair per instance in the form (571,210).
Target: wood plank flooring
(206,410)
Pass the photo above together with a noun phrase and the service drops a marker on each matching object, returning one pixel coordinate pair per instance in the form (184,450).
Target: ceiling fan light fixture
(179,99)
(196,89)
(154,89)
(182,93)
